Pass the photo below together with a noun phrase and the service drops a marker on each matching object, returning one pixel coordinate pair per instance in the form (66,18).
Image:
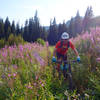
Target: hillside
(27,75)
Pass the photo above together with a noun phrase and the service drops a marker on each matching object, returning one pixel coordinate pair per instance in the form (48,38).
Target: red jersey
(63,50)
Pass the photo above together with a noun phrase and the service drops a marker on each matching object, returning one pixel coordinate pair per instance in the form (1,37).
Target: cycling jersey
(64,48)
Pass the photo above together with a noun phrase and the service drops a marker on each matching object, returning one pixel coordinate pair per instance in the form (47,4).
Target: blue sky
(20,10)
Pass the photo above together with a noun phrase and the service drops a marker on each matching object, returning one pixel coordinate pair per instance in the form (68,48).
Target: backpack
(61,44)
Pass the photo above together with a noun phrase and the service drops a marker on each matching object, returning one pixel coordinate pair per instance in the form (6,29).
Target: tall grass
(25,74)
(87,77)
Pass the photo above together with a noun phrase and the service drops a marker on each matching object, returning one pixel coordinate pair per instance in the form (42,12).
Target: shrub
(41,41)
(11,40)
(2,43)
(15,40)
(18,40)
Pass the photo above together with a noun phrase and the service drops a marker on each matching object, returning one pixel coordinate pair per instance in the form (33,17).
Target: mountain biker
(61,49)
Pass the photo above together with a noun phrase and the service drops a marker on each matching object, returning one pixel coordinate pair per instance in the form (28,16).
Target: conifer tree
(53,32)
(7,28)
(78,24)
(1,28)
(87,18)
(13,30)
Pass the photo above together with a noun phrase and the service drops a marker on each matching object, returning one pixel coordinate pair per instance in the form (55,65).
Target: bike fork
(70,81)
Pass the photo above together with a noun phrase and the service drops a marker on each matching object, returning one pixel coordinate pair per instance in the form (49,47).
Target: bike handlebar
(73,61)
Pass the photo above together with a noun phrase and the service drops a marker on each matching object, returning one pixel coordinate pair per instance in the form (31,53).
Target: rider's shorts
(64,57)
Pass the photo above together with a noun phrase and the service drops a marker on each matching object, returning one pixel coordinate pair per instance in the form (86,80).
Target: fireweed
(25,73)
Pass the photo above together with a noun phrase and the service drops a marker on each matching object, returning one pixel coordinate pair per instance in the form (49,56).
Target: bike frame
(65,73)
(67,62)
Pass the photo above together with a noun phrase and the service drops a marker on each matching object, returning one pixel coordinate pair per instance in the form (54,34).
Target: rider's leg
(59,70)
(70,78)
(59,64)
(65,66)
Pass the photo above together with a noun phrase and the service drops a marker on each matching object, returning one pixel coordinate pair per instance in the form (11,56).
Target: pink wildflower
(29,86)
(34,84)
(39,59)
(0,60)
(15,66)
(47,44)
(98,59)
(14,74)
(36,77)
(21,47)
(9,75)
(42,84)
(31,60)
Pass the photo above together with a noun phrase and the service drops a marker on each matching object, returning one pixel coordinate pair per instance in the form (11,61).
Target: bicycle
(67,73)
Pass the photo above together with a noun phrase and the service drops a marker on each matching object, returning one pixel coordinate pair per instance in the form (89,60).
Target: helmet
(65,35)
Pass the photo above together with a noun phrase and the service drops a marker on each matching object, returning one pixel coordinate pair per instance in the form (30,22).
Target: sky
(62,10)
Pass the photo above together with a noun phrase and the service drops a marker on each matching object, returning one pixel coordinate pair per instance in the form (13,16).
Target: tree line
(33,30)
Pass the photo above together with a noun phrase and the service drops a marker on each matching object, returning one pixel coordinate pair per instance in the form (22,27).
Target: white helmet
(65,36)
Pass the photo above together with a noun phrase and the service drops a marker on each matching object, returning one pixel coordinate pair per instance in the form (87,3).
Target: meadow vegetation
(26,71)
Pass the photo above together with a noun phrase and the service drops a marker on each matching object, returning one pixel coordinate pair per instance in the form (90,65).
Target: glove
(61,67)
(78,59)
(53,59)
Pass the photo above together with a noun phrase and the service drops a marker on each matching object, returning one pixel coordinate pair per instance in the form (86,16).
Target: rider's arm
(76,52)
(55,49)
(74,49)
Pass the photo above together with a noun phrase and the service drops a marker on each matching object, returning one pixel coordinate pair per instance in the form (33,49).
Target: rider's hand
(53,59)
(78,58)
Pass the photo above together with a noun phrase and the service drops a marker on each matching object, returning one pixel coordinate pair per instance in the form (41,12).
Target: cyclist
(60,51)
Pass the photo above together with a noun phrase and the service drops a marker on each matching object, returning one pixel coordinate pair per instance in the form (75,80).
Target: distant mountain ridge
(94,22)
